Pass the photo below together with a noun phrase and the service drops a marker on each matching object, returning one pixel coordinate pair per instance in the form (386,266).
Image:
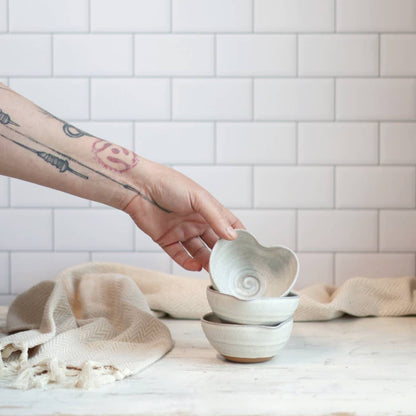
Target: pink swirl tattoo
(113,157)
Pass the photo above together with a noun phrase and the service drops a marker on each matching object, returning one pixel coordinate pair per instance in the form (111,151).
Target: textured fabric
(84,330)
(93,325)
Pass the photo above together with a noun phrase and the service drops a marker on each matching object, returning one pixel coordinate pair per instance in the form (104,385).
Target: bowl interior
(246,269)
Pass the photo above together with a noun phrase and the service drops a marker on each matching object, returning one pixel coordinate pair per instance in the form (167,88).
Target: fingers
(185,229)
(222,221)
(209,237)
(192,254)
(178,253)
(198,250)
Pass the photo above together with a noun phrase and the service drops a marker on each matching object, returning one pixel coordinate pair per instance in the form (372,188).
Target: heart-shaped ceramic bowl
(246,343)
(261,311)
(247,270)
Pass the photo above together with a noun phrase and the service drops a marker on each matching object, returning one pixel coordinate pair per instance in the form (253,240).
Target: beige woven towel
(86,329)
(93,326)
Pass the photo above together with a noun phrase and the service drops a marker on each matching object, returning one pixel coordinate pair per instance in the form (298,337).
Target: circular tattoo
(114,157)
(73,131)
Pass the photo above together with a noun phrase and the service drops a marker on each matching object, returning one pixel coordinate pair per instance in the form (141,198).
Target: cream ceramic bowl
(247,270)
(261,311)
(246,343)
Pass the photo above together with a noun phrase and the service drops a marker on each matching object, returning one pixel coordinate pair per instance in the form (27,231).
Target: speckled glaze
(246,343)
(260,311)
(247,270)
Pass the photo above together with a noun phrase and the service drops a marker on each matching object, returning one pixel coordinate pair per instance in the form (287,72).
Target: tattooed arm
(182,217)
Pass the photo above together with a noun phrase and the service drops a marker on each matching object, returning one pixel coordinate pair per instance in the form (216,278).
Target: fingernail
(231,232)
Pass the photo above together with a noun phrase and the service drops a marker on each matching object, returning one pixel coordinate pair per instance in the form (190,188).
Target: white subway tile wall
(66,98)
(129,15)
(4,191)
(299,115)
(3,15)
(33,56)
(94,55)
(294,99)
(256,55)
(4,272)
(174,55)
(395,58)
(376,15)
(256,143)
(373,265)
(48,16)
(176,142)
(28,269)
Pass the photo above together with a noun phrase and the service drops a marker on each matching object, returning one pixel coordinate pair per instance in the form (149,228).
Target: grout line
(9,193)
(89,16)
(296,229)
(297,143)
(252,187)
(170,99)
(133,55)
(379,55)
(414,271)
(252,16)
(133,235)
(171,16)
(252,92)
(415,187)
(297,55)
(7,17)
(334,187)
(53,230)
(378,144)
(52,57)
(311,251)
(214,57)
(242,121)
(215,144)
(89,99)
(208,32)
(378,231)
(133,135)
(260,208)
(214,76)
(10,271)
(335,17)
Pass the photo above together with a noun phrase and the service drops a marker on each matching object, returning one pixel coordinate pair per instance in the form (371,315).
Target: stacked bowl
(250,298)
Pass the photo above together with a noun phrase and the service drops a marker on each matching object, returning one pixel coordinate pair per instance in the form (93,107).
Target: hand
(184,219)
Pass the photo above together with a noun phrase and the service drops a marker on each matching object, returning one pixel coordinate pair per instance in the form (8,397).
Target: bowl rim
(250,235)
(291,296)
(205,320)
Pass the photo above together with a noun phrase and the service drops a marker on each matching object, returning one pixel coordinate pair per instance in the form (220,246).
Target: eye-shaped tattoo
(113,157)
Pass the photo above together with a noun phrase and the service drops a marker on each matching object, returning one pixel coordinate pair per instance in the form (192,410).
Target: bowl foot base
(247,360)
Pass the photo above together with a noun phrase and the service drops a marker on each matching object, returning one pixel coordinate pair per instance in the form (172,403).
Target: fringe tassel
(25,376)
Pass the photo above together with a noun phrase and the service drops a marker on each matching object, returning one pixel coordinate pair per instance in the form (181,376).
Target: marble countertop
(344,367)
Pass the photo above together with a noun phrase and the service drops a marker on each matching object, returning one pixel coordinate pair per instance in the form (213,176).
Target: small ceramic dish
(261,311)
(247,270)
(246,343)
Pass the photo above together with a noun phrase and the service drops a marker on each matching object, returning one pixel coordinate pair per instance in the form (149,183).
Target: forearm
(173,210)
(36,146)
